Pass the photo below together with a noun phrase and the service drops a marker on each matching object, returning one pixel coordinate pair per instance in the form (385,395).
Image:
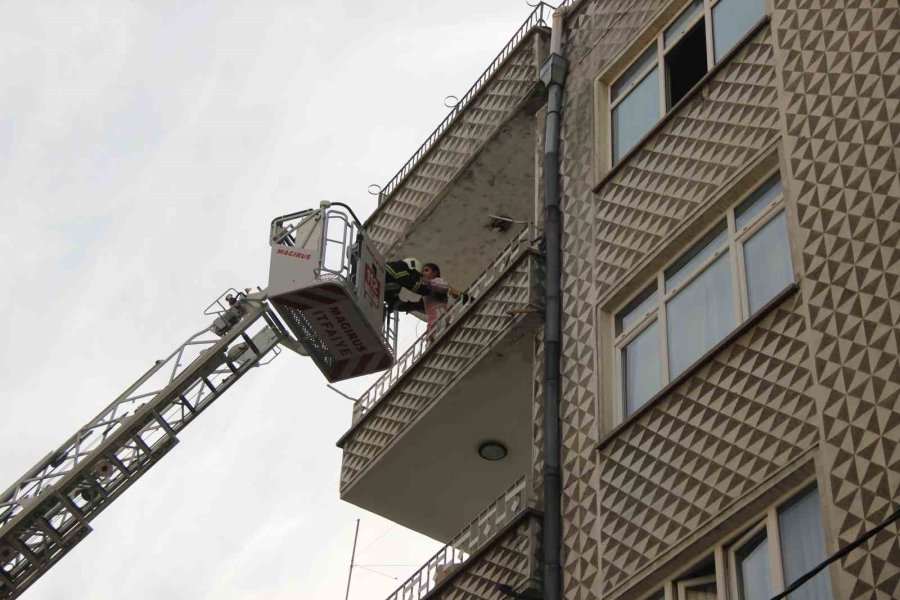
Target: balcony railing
(468,541)
(414,353)
(538,17)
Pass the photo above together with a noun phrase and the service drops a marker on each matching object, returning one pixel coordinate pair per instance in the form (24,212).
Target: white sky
(144,149)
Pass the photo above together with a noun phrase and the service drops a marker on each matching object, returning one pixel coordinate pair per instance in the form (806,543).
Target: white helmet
(413,264)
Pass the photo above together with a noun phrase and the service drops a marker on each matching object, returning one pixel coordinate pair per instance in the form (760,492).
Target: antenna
(352,558)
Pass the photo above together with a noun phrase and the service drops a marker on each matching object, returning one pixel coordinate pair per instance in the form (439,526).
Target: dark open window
(685,64)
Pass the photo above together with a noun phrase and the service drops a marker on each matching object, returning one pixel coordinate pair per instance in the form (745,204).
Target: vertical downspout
(553,76)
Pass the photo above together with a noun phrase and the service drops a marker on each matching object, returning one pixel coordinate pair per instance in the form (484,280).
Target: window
(723,278)
(797,526)
(687,49)
(803,546)
(786,544)
(752,569)
(701,588)
(697,584)
(733,19)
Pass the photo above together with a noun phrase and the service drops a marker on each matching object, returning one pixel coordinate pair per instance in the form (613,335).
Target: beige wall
(815,93)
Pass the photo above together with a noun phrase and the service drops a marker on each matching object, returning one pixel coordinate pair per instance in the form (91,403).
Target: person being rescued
(428,284)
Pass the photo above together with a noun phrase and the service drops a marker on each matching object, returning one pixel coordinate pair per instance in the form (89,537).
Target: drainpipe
(553,76)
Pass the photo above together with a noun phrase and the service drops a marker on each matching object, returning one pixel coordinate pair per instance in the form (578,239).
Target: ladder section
(48,511)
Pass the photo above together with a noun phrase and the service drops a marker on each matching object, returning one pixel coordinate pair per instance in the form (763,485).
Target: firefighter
(401,274)
(434,293)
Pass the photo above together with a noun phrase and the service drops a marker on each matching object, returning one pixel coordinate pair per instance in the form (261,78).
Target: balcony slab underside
(431,478)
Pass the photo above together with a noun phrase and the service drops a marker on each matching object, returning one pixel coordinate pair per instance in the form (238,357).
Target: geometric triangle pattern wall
(738,420)
(594,33)
(685,164)
(710,139)
(840,66)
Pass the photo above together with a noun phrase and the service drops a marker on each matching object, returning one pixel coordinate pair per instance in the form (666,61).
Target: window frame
(772,528)
(760,530)
(723,555)
(657,313)
(609,104)
(682,585)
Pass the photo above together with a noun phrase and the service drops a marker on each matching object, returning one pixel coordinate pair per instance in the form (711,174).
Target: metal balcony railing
(538,17)
(468,541)
(414,353)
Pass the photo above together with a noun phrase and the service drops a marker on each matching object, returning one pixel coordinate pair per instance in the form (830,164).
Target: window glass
(803,546)
(753,570)
(683,22)
(691,259)
(640,368)
(634,72)
(767,260)
(748,210)
(636,309)
(700,315)
(732,19)
(635,115)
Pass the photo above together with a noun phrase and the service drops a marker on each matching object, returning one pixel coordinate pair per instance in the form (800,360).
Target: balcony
(500,546)
(411,454)
(480,161)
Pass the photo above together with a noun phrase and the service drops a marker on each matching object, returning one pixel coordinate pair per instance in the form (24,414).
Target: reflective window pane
(700,315)
(767,261)
(637,308)
(690,260)
(803,546)
(636,115)
(753,569)
(732,19)
(640,368)
(633,73)
(748,210)
(683,22)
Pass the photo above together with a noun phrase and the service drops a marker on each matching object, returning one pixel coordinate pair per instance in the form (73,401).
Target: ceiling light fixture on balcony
(492,450)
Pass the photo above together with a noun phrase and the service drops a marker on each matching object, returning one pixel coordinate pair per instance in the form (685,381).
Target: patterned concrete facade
(819,373)
(736,422)
(840,67)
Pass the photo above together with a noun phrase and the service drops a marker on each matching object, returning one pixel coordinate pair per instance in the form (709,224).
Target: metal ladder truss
(48,511)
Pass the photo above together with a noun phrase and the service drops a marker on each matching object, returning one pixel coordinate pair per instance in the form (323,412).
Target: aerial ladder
(324,301)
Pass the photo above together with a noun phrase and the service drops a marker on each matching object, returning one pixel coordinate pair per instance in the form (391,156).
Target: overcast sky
(144,149)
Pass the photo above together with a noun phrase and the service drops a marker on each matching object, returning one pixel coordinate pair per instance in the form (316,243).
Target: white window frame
(725,555)
(661,52)
(740,293)
(770,524)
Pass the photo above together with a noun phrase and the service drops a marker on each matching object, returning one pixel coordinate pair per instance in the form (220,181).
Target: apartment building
(730,381)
